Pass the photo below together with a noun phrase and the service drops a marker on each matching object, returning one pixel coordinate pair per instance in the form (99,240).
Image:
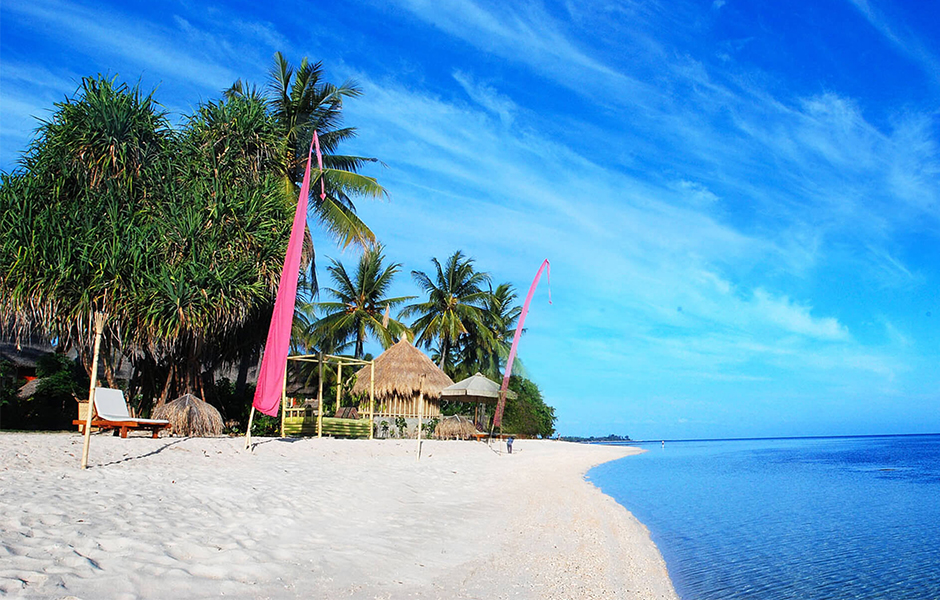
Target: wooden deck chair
(111,413)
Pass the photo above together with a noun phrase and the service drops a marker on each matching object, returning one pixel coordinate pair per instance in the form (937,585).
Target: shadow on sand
(140,456)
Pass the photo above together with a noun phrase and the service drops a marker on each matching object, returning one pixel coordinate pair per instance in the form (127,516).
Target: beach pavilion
(407,383)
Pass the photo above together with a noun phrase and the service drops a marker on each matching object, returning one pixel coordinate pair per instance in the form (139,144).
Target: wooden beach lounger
(111,413)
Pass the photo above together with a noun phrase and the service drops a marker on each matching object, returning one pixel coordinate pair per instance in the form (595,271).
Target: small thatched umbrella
(456,427)
(398,381)
(191,416)
(477,389)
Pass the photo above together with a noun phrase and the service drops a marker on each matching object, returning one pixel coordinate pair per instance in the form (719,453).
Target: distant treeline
(609,438)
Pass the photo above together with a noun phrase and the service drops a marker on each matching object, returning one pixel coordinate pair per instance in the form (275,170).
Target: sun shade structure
(398,382)
(474,389)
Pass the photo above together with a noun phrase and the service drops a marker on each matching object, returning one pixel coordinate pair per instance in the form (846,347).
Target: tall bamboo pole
(320,398)
(284,401)
(100,318)
(371,398)
(339,387)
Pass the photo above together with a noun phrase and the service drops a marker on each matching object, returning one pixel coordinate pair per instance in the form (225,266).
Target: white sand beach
(309,518)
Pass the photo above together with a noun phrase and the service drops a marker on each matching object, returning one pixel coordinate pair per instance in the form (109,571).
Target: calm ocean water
(815,519)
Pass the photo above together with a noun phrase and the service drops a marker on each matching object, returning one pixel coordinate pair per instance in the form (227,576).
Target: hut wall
(407,407)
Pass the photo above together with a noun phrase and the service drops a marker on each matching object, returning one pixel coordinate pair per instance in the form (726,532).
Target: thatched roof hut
(398,381)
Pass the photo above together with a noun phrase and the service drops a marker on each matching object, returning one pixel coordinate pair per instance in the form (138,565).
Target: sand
(305,518)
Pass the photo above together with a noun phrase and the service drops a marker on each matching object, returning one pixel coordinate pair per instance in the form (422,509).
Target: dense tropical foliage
(178,235)
(527,414)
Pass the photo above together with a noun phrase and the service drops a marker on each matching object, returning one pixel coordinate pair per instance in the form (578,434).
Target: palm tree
(359,304)
(484,348)
(301,102)
(456,301)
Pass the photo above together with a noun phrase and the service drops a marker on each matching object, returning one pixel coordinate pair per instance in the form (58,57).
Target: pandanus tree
(177,236)
(359,304)
(71,240)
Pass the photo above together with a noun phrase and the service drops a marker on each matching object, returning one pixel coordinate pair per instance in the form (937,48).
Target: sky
(740,200)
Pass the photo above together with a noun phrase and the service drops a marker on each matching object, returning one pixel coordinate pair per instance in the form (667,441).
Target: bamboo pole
(339,387)
(320,399)
(251,418)
(371,398)
(100,318)
(284,401)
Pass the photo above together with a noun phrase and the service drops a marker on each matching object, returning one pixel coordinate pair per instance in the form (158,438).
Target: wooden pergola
(330,359)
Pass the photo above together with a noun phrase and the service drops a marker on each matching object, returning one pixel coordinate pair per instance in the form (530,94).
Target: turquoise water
(814,519)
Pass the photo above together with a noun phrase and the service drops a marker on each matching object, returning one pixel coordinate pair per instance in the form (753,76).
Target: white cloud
(487,97)
(796,318)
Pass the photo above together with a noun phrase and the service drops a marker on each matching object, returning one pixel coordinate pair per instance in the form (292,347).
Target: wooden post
(320,399)
(419,411)
(251,418)
(99,327)
(371,397)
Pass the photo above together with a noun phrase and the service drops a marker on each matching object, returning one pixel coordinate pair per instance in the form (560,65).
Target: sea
(811,518)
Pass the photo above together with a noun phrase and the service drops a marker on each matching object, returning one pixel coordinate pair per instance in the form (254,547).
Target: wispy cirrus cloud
(904,42)
(103,30)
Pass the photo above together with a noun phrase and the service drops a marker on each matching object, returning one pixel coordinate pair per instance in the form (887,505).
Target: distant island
(610,438)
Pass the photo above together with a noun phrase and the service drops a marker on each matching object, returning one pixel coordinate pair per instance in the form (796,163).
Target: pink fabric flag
(501,405)
(274,362)
(316,140)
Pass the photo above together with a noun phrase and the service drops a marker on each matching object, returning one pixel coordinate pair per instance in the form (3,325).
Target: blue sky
(740,200)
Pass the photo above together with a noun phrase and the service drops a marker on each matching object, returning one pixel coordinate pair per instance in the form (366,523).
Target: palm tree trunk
(444,347)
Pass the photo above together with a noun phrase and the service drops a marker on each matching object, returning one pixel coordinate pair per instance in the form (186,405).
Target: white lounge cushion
(110,406)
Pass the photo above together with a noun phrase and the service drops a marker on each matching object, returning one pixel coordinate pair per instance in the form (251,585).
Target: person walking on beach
(509,445)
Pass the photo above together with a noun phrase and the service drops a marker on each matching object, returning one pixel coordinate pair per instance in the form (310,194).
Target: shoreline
(196,517)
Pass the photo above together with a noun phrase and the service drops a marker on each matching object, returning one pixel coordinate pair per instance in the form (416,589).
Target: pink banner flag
(501,405)
(316,141)
(274,362)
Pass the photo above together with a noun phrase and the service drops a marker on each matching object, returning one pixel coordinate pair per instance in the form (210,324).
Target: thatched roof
(191,416)
(475,389)
(25,355)
(398,372)
(31,387)
(456,427)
